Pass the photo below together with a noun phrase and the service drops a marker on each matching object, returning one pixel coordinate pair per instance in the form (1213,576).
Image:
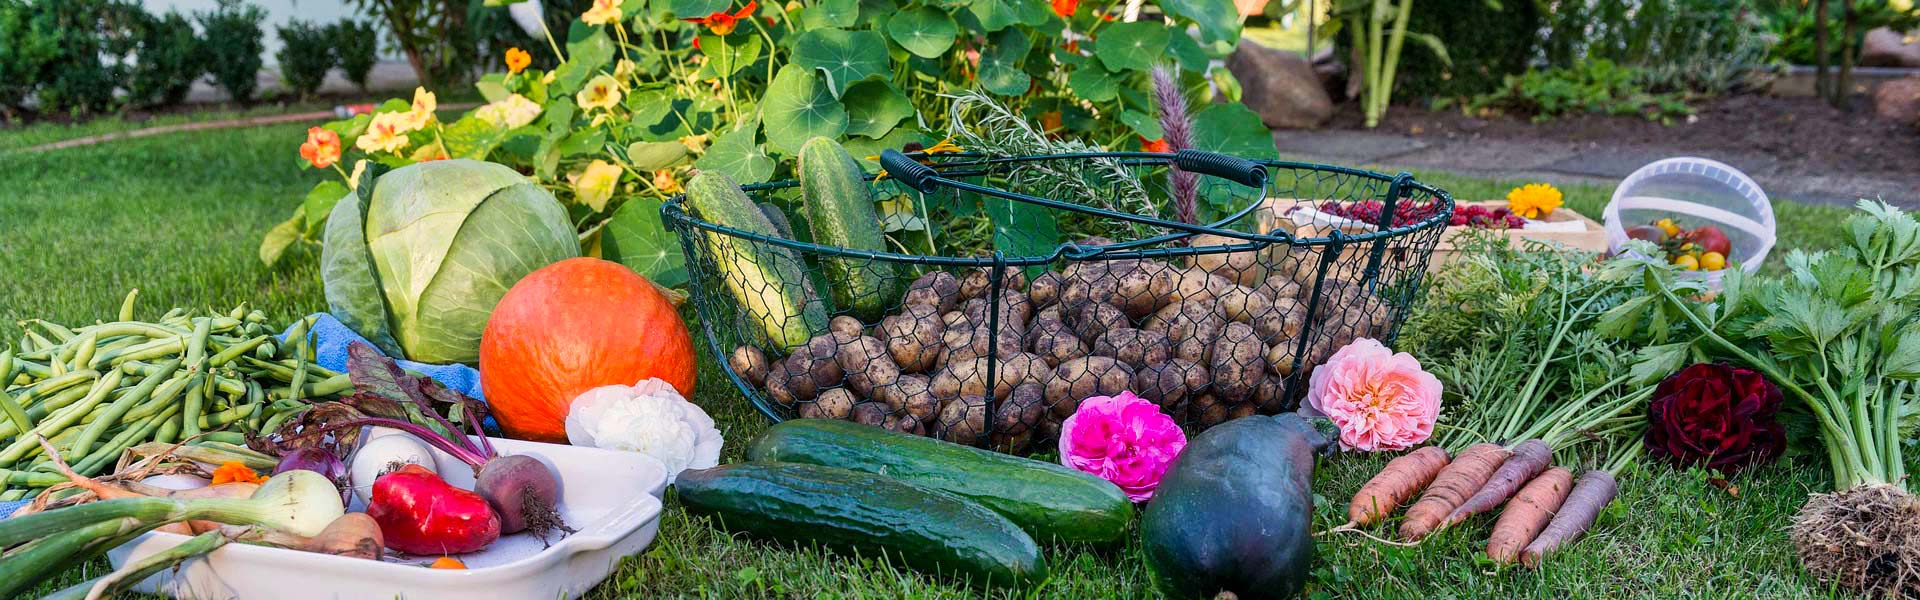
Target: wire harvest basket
(1210,321)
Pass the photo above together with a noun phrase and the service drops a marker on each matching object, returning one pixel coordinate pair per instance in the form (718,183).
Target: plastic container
(612,498)
(1695,192)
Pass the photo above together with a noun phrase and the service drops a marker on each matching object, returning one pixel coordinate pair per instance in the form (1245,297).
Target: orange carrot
(1464,476)
(1594,491)
(1528,513)
(1529,458)
(1400,480)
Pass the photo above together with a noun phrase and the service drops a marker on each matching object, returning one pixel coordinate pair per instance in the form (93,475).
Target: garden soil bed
(1794,136)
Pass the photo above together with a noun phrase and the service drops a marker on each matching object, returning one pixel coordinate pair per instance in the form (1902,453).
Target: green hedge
(1487,41)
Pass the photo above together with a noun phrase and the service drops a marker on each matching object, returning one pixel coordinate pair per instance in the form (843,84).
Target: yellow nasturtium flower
(593,187)
(602,12)
(623,70)
(386,133)
(517,60)
(424,103)
(601,92)
(1533,200)
(513,111)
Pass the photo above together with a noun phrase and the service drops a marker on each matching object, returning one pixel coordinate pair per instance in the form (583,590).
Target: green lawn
(179,217)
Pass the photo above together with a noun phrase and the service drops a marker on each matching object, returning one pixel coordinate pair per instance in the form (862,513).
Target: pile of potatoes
(1209,340)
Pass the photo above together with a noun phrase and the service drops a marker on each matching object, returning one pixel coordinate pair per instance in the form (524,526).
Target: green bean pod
(118,409)
(59,421)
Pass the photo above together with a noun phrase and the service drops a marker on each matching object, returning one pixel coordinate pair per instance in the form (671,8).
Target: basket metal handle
(907,170)
(1231,168)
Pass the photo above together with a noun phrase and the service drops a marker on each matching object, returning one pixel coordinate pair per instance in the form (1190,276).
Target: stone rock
(1888,48)
(1899,100)
(1280,86)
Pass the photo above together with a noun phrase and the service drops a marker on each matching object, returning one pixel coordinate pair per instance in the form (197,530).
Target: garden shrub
(1486,40)
(27,45)
(1690,46)
(167,64)
(434,35)
(1595,86)
(356,47)
(90,41)
(231,51)
(306,54)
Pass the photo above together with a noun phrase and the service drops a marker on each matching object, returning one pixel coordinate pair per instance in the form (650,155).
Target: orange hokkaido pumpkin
(572,326)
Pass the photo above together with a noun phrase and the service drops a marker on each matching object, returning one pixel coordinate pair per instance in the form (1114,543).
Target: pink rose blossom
(1380,400)
(1123,439)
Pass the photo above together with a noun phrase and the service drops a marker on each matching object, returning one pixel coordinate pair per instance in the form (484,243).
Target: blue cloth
(7,508)
(330,338)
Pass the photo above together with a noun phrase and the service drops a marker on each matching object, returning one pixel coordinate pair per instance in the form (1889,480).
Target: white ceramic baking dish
(611,498)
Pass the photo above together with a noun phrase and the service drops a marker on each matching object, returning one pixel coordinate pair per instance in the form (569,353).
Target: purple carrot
(1593,492)
(1528,459)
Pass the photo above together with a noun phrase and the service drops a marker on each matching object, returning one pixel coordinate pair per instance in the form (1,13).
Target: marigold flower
(1533,200)
(722,22)
(517,60)
(322,148)
(601,92)
(1065,8)
(234,472)
(602,12)
(1159,145)
(593,186)
(386,133)
(424,103)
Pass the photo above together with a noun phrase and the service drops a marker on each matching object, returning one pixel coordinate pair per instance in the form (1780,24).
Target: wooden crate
(1592,239)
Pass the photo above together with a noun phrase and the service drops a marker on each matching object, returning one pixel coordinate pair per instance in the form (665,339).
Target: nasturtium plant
(647,91)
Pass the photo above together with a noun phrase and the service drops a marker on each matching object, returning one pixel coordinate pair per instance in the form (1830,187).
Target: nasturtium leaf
(628,8)
(588,49)
(897,214)
(635,237)
(924,31)
(582,142)
(727,55)
(799,107)
(1143,124)
(472,137)
(1232,129)
(274,245)
(349,130)
(1093,83)
(874,13)
(694,9)
(319,202)
(653,156)
(844,56)
(738,154)
(647,107)
(865,148)
(830,13)
(999,63)
(874,107)
(1131,46)
(491,87)
(1188,52)
(1035,13)
(994,15)
(1020,228)
(1218,19)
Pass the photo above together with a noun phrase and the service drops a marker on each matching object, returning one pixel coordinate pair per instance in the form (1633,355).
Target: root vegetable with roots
(1866,538)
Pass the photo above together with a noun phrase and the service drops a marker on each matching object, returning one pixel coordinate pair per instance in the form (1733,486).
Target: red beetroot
(419,513)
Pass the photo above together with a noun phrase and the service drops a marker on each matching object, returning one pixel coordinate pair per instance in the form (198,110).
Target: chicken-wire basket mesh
(1102,281)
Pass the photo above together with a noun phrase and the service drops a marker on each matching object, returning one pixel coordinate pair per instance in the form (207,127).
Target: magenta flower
(1380,400)
(1123,439)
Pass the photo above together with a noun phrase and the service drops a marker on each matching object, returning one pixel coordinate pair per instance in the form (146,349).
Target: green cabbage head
(417,257)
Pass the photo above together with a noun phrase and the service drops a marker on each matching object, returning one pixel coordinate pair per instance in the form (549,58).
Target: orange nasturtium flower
(666,183)
(602,12)
(386,133)
(722,22)
(1065,8)
(322,148)
(1159,145)
(517,60)
(1051,121)
(234,472)
(601,92)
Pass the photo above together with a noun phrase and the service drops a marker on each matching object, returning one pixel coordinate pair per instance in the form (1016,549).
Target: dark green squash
(1235,511)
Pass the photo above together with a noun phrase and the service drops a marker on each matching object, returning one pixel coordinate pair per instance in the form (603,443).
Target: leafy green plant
(1485,40)
(91,40)
(1377,32)
(306,54)
(434,35)
(27,44)
(1802,33)
(232,47)
(356,46)
(1598,86)
(1688,46)
(167,67)
(644,92)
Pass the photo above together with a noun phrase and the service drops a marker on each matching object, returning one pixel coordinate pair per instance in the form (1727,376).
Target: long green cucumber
(769,282)
(1049,501)
(926,529)
(840,212)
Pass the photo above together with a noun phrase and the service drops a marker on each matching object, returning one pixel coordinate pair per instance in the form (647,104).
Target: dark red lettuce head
(1715,415)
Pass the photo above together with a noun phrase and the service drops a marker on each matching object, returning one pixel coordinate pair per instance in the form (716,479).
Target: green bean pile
(97,390)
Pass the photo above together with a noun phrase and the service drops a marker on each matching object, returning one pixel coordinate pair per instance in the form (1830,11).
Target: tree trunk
(1822,87)
(1843,85)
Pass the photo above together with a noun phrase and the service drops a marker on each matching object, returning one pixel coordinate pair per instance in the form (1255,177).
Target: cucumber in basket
(769,281)
(840,212)
(927,529)
(1049,501)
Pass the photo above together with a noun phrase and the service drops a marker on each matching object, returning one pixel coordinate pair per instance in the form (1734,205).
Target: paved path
(1572,163)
